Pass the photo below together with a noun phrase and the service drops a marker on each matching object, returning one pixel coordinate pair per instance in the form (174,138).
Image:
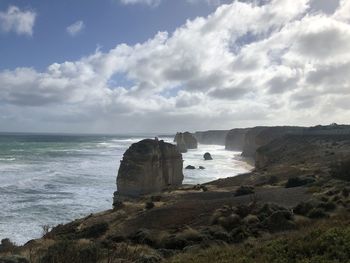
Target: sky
(120,66)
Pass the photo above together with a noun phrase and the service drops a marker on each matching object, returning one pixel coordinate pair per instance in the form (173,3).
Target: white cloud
(75,28)
(146,2)
(18,21)
(244,65)
(157,2)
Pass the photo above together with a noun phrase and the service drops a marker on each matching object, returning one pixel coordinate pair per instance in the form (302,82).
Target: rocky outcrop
(235,139)
(149,166)
(207,157)
(185,141)
(216,137)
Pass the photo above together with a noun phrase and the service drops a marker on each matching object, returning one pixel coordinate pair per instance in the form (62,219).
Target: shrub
(298,181)
(317,213)
(328,206)
(244,190)
(341,170)
(149,205)
(303,208)
(69,251)
(94,231)
(273,179)
(7,245)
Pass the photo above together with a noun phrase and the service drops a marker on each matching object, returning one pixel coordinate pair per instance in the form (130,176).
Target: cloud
(279,62)
(18,21)
(146,2)
(155,3)
(75,28)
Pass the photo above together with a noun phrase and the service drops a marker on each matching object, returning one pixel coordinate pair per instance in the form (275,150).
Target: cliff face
(185,141)
(149,166)
(235,139)
(250,145)
(211,137)
(309,152)
(260,136)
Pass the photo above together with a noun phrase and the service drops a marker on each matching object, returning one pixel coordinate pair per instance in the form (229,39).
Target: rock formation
(235,139)
(211,137)
(207,157)
(149,166)
(250,146)
(185,141)
(260,136)
(309,152)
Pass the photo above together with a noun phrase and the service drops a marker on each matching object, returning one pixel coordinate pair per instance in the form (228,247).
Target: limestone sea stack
(185,141)
(149,166)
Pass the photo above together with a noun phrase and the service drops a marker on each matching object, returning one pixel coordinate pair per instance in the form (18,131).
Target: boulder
(185,141)
(149,166)
(207,156)
(190,167)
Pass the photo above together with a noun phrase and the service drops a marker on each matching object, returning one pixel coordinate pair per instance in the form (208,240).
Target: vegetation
(323,243)
(244,190)
(341,170)
(298,181)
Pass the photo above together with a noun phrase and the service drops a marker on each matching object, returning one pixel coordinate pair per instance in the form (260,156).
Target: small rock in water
(190,167)
(207,156)
(201,168)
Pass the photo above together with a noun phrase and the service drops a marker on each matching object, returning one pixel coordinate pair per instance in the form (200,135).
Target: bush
(69,251)
(7,245)
(303,208)
(149,205)
(341,170)
(93,231)
(298,181)
(328,206)
(273,179)
(317,213)
(244,190)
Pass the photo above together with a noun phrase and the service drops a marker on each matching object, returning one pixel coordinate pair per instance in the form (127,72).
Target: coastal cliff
(217,137)
(250,145)
(149,166)
(260,136)
(235,139)
(307,148)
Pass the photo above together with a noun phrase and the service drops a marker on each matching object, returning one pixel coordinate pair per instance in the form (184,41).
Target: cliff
(250,145)
(235,139)
(149,166)
(211,137)
(260,136)
(303,152)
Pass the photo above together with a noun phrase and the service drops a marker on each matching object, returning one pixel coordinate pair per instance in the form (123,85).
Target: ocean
(48,179)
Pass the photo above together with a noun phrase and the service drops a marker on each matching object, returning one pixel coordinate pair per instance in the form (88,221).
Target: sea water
(47,180)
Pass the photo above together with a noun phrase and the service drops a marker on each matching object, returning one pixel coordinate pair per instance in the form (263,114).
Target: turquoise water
(53,179)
